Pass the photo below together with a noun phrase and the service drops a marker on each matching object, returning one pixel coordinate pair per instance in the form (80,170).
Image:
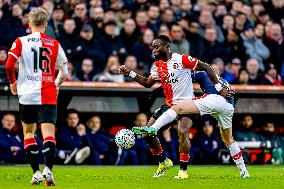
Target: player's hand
(231,94)
(123,70)
(13,88)
(224,92)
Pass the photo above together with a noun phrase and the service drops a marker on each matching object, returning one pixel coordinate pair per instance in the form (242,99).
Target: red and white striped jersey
(175,76)
(37,54)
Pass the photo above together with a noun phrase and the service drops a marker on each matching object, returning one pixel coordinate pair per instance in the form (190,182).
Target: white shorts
(218,107)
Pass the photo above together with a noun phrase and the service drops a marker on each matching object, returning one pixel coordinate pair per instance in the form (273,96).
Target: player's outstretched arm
(201,66)
(146,82)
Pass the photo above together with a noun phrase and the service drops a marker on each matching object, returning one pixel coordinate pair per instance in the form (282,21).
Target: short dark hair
(164,38)
(71,111)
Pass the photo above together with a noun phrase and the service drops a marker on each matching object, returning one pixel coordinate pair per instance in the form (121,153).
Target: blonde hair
(38,17)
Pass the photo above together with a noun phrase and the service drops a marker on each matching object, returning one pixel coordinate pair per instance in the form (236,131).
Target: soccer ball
(125,138)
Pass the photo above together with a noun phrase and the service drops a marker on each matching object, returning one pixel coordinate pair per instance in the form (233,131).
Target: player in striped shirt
(174,72)
(37,89)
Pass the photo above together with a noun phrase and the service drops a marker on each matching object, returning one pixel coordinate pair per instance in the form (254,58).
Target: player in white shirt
(37,89)
(174,72)
(216,105)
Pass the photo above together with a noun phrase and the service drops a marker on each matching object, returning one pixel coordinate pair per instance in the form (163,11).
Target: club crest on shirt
(13,46)
(175,66)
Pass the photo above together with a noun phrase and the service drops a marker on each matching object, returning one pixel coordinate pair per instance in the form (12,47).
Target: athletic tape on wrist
(132,74)
(218,87)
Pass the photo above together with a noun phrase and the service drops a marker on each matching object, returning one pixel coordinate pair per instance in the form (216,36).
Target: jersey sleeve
(189,62)
(154,72)
(16,49)
(61,59)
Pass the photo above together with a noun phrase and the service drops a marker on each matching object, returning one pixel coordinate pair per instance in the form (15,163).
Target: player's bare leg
(235,151)
(48,134)
(184,146)
(31,149)
(157,150)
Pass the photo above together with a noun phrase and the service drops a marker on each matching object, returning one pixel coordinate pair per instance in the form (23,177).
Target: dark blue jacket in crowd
(100,141)
(8,139)
(68,139)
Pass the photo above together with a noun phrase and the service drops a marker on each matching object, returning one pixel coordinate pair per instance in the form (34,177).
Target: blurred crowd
(92,141)
(241,39)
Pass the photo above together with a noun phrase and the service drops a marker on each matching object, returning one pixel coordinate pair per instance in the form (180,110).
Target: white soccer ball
(125,138)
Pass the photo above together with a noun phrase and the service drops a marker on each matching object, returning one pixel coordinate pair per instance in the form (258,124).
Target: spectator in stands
(129,34)
(15,21)
(275,43)
(197,47)
(97,21)
(206,20)
(124,14)
(164,30)
(86,72)
(241,21)
(11,144)
(236,7)
(70,42)
(271,76)
(185,7)
(219,13)
(143,50)
(131,63)
(243,78)
(213,49)
(233,47)
(142,19)
(92,49)
(268,133)
(72,141)
(71,73)
(80,15)
(55,24)
(209,143)
(111,71)
(252,67)
(259,31)
(110,15)
(244,132)
(168,17)
(111,43)
(100,140)
(234,67)
(219,67)
(154,18)
(141,146)
(179,43)
(263,17)
(254,47)
(164,4)
(3,55)
(228,24)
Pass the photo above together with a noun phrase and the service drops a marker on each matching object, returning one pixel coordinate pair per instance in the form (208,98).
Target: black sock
(161,157)
(49,153)
(32,153)
(183,165)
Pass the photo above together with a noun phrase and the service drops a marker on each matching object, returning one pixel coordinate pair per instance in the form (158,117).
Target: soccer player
(221,108)
(37,89)
(174,71)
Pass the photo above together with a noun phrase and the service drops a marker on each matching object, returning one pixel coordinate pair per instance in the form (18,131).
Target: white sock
(236,154)
(164,119)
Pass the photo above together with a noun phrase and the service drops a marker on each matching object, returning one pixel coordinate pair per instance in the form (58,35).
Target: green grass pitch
(127,177)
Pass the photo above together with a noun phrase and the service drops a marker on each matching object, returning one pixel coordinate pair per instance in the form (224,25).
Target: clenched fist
(123,70)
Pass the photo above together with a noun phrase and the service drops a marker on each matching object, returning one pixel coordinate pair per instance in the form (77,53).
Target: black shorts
(38,113)
(163,109)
